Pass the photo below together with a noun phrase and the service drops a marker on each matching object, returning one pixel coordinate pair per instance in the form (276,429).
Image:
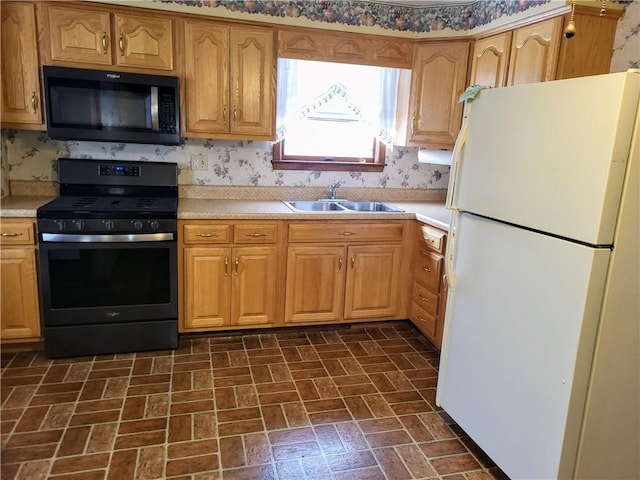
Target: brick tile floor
(321,403)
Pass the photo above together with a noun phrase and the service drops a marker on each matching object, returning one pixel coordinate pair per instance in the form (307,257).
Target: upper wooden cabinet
(534,52)
(438,79)
(229,80)
(490,60)
(81,35)
(539,52)
(21,97)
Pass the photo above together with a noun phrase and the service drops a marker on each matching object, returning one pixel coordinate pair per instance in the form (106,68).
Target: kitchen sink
(370,207)
(338,206)
(313,206)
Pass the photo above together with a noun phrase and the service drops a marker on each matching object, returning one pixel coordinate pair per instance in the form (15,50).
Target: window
(334,116)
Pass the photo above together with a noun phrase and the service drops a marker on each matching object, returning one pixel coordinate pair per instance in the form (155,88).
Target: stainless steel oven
(108,262)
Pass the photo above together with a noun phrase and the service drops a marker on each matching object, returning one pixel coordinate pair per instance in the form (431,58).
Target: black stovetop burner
(101,196)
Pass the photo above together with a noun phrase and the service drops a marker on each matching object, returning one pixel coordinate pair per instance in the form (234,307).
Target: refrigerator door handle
(456,158)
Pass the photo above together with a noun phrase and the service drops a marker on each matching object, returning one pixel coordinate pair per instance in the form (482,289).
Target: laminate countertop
(432,213)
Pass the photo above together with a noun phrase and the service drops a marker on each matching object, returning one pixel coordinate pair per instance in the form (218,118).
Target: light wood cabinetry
(438,79)
(490,60)
(534,52)
(79,35)
(538,51)
(229,274)
(344,47)
(229,80)
(357,276)
(430,287)
(21,94)
(19,315)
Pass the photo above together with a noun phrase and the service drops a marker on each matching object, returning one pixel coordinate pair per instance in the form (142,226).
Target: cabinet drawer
(255,233)
(425,299)
(427,271)
(17,233)
(423,320)
(345,232)
(199,234)
(432,238)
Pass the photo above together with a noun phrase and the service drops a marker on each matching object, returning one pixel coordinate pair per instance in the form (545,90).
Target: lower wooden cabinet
(229,285)
(429,296)
(343,281)
(19,310)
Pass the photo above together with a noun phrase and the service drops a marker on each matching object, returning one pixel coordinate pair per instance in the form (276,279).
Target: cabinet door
(315,284)
(254,286)
(207,287)
(79,35)
(19,295)
(206,77)
(144,41)
(253,71)
(490,61)
(20,85)
(438,80)
(373,280)
(534,52)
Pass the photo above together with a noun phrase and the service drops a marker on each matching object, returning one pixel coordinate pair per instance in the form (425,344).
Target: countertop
(433,213)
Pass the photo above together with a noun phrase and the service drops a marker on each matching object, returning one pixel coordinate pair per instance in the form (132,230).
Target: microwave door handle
(155,124)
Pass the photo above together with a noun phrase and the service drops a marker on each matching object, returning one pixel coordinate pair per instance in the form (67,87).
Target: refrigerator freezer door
(518,345)
(550,156)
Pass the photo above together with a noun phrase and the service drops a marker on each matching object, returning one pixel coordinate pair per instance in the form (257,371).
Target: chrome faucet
(332,190)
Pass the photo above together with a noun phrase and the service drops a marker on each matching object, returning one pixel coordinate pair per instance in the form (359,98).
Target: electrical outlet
(199,162)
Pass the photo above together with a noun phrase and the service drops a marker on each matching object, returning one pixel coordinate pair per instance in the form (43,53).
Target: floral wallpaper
(32,156)
(419,19)
(626,46)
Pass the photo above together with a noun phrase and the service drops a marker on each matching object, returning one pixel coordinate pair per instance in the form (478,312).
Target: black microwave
(107,106)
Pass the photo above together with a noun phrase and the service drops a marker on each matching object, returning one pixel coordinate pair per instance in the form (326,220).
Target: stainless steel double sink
(339,206)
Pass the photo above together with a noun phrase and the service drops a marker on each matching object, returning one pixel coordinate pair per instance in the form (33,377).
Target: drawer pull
(226,266)
(207,235)
(340,263)
(13,234)
(255,235)
(104,42)
(429,239)
(33,102)
(237,264)
(353,261)
(121,44)
(424,299)
(346,234)
(426,269)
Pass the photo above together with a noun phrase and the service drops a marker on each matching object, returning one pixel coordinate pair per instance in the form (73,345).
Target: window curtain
(370,92)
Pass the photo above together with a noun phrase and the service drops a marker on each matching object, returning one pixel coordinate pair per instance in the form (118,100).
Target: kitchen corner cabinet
(538,52)
(430,285)
(84,36)
(343,271)
(20,318)
(230,75)
(229,275)
(21,94)
(438,79)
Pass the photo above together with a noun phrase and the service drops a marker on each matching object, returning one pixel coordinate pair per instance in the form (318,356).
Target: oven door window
(105,276)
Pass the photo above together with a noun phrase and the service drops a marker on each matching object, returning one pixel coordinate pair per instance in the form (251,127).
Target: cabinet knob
(226,266)
(121,44)
(340,263)
(426,269)
(104,42)
(424,299)
(237,265)
(33,102)
(353,262)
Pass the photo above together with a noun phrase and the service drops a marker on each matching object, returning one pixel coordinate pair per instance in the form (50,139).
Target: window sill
(331,166)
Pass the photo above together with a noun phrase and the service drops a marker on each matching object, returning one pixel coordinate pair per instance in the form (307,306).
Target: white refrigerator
(540,360)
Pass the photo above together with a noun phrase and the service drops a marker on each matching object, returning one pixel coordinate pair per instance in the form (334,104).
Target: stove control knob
(79,224)
(137,224)
(109,224)
(154,224)
(61,225)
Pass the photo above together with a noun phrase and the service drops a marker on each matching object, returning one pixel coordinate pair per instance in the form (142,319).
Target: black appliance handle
(111,238)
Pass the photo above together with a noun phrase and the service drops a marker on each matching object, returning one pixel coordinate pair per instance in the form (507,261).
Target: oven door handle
(115,238)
